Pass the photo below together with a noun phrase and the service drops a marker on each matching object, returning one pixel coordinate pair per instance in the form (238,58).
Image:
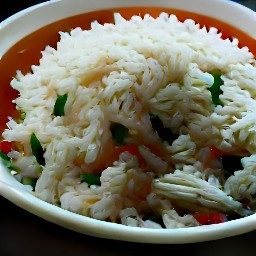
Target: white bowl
(23,23)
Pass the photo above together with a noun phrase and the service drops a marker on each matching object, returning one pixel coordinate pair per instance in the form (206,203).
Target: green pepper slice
(90,179)
(59,105)
(29,181)
(215,90)
(119,133)
(6,160)
(37,149)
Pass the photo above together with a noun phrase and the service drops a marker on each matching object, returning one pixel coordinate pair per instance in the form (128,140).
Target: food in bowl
(147,122)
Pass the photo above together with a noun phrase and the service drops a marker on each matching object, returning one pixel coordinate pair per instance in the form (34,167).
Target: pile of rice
(122,73)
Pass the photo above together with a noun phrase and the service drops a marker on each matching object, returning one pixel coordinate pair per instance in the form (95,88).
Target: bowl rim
(18,194)
(22,196)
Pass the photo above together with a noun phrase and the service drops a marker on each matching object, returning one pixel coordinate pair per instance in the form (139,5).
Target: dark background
(22,233)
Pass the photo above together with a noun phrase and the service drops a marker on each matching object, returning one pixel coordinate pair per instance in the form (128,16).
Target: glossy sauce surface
(27,52)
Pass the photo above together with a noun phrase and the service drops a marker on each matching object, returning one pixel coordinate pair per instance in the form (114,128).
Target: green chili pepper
(59,106)
(6,160)
(37,149)
(215,90)
(90,179)
(119,133)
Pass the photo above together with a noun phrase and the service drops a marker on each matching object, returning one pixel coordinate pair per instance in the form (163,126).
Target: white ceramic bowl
(23,23)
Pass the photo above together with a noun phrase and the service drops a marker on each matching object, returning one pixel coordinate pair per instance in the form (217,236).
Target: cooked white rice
(119,73)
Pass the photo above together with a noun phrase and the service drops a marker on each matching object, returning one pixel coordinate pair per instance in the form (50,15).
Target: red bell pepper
(210,218)
(5,147)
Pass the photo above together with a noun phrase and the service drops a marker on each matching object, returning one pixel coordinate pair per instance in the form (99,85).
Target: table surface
(22,233)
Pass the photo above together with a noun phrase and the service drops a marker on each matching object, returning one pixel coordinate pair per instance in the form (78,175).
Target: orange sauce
(27,51)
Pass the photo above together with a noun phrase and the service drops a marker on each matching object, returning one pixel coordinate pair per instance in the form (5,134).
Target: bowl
(23,27)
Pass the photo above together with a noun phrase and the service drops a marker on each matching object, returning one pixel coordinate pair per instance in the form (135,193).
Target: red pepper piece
(132,149)
(216,153)
(5,147)
(210,218)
